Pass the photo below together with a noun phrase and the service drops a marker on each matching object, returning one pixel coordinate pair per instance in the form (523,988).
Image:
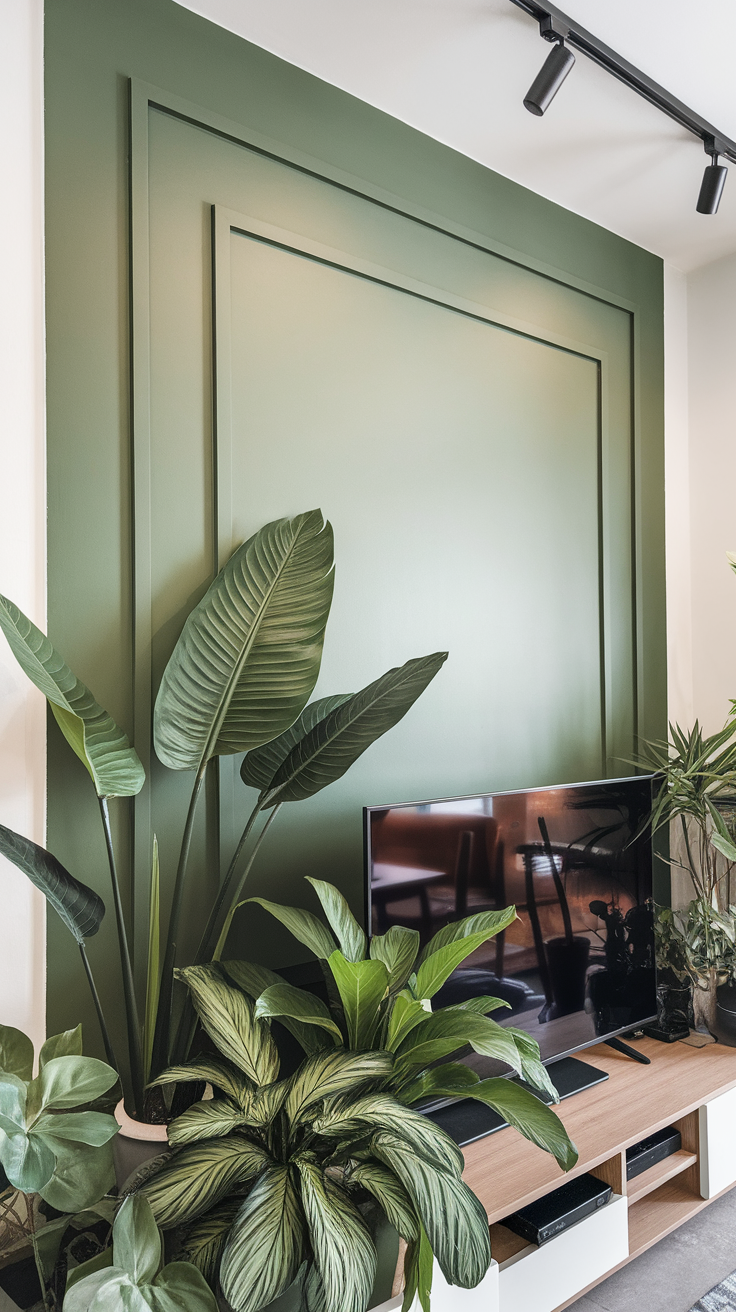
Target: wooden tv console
(692,1088)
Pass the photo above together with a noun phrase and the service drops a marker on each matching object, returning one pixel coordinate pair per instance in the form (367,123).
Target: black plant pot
(674,1003)
(725,1018)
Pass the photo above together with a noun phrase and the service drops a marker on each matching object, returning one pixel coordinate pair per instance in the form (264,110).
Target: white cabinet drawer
(718,1144)
(449,1298)
(539,1279)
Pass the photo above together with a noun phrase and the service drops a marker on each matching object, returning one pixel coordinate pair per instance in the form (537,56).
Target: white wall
(22,498)
(677,499)
(711,296)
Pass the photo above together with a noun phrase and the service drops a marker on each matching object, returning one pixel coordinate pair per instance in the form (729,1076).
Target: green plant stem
(135,1055)
(163,1017)
(234,901)
(47,1297)
(693,869)
(205,945)
(109,1052)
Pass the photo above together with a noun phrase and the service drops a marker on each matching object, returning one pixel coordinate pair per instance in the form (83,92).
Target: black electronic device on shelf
(640,1156)
(577,968)
(564,1207)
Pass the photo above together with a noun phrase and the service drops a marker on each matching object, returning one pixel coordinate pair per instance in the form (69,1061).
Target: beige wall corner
(22,520)
(711,294)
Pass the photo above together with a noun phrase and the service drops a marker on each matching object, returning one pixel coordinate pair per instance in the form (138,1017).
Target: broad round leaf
(28,1162)
(82,1176)
(180,1285)
(16,1052)
(13,1099)
(93,734)
(67,1044)
(249,654)
(331,747)
(70,1082)
(94,1128)
(344,1253)
(136,1241)
(79,906)
(264,1248)
(196,1178)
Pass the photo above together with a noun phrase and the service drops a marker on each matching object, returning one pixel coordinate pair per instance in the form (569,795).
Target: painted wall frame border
(145,96)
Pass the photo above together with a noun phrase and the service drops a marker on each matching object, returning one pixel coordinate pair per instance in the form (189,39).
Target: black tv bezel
(507,792)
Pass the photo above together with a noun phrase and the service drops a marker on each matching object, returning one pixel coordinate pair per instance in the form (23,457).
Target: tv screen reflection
(578,963)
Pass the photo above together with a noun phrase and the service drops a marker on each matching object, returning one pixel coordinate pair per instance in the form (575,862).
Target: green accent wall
(466,377)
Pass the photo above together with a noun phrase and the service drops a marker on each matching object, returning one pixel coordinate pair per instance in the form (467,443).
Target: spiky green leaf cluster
(268,1180)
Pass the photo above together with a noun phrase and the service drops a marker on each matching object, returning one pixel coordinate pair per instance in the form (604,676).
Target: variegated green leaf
(344,1253)
(343,1117)
(450,1080)
(406,1013)
(455,1221)
(16,1053)
(260,765)
(283,1000)
(93,734)
(437,966)
(205,1238)
(264,1248)
(249,654)
(227,1016)
(488,923)
(213,1070)
(196,1178)
(341,920)
(330,1073)
(362,986)
(397,949)
(444,1032)
(418,1273)
(390,1194)
(254,980)
(531,1117)
(205,1120)
(303,925)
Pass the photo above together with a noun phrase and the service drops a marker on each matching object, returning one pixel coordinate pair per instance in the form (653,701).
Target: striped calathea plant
(271,1181)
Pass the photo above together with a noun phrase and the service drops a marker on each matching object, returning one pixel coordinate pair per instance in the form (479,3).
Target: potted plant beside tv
(239,679)
(273,1184)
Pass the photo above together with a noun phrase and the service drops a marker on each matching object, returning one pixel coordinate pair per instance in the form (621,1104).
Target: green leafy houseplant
(238,680)
(696,777)
(266,1181)
(48,1146)
(135,1277)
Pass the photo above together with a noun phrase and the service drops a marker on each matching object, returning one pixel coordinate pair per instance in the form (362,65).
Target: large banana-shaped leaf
(344,1253)
(337,740)
(79,906)
(264,1248)
(93,734)
(249,654)
(260,766)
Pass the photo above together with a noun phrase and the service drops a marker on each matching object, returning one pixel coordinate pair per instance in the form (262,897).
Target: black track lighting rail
(556,26)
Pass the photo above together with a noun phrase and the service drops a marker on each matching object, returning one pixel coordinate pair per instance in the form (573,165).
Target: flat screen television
(577,967)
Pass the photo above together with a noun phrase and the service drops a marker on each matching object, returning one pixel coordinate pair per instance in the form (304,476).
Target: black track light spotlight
(714,180)
(554,70)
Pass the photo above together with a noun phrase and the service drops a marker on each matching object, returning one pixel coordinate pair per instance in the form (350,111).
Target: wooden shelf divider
(659,1174)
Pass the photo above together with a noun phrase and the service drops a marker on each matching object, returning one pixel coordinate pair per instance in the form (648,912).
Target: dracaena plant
(238,680)
(47,1145)
(269,1181)
(381,997)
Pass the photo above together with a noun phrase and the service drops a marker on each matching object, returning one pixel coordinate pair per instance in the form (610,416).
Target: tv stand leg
(619,1046)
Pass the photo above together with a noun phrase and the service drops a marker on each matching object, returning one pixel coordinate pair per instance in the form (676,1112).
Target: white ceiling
(458,70)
